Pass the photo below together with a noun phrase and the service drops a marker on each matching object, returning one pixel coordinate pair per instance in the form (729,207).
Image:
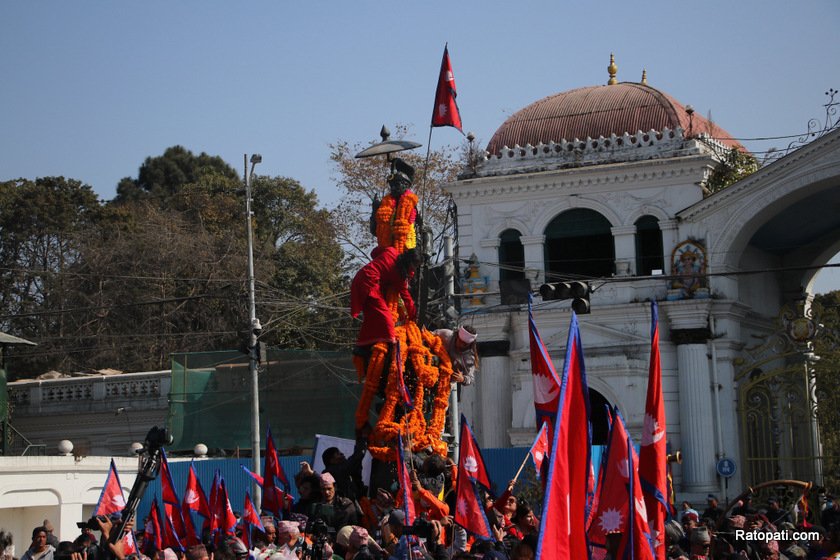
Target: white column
(493,395)
(689,331)
(696,419)
(532,246)
(624,238)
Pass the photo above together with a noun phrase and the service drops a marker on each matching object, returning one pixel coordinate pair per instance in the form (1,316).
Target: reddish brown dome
(600,111)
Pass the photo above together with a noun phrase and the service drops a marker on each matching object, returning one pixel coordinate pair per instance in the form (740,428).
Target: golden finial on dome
(613,70)
(644,76)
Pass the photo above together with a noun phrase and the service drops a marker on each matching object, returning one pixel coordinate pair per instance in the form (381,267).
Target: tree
(41,226)
(363,180)
(734,166)
(162,176)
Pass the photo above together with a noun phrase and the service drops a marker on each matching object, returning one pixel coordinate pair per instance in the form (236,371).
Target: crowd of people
(326,524)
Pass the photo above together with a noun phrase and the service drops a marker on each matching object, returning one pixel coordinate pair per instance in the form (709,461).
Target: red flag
(621,506)
(170,535)
(213,521)
(111,500)
(271,500)
(152,540)
(470,461)
(469,511)
(446,111)
(227,519)
(653,455)
(566,502)
(249,519)
(544,376)
(171,503)
(289,500)
(404,480)
(194,497)
(539,450)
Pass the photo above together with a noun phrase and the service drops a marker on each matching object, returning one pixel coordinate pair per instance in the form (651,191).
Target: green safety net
(302,393)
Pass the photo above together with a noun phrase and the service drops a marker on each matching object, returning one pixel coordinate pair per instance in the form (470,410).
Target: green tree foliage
(162,176)
(734,166)
(124,284)
(827,347)
(42,226)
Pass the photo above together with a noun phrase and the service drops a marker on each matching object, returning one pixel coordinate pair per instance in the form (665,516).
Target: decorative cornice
(554,182)
(629,146)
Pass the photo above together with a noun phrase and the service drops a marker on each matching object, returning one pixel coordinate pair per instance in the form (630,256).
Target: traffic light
(578,292)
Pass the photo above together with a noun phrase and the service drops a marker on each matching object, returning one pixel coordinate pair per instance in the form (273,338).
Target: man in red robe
(387,271)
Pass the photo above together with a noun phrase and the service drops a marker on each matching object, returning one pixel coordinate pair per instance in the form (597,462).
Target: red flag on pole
(152,538)
(470,461)
(544,376)
(249,519)
(405,484)
(653,455)
(621,506)
(272,497)
(213,521)
(194,497)
(111,500)
(566,503)
(469,511)
(172,535)
(171,503)
(287,498)
(446,111)
(539,450)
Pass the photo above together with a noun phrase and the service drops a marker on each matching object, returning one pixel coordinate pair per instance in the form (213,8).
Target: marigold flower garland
(418,347)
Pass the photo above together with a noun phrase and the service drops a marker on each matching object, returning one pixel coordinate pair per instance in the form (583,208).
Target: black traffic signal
(577,291)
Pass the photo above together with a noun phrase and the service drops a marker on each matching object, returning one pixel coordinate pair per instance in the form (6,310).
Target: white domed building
(608,185)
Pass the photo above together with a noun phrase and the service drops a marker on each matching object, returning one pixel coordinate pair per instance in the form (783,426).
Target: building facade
(609,185)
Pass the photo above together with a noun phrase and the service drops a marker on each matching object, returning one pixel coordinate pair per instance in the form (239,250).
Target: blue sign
(726,467)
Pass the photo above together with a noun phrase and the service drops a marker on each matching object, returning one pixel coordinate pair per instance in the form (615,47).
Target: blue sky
(91,88)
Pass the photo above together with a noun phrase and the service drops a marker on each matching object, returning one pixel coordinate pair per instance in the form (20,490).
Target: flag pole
(522,466)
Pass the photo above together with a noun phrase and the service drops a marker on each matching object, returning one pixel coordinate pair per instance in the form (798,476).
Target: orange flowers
(424,424)
(395,226)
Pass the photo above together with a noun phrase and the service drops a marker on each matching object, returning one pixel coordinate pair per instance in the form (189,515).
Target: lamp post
(255,328)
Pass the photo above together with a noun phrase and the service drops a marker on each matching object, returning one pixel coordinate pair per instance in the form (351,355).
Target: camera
(157,438)
(421,529)
(92,522)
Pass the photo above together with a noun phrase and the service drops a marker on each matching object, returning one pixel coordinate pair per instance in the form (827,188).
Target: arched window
(511,256)
(648,246)
(579,243)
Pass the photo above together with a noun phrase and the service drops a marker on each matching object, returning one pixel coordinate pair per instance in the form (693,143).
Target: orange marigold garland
(422,376)
(395,226)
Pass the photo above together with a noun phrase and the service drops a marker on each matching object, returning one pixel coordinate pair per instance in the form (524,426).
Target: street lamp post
(255,328)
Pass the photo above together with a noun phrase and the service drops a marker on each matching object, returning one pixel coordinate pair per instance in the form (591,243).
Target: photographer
(336,511)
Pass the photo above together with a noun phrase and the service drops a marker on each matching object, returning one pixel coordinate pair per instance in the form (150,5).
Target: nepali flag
(404,480)
(287,498)
(470,461)
(446,111)
(169,535)
(469,511)
(405,396)
(272,498)
(566,503)
(544,376)
(212,522)
(249,520)
(653,455)
(152,537)
(223,513)
(539,450)
(194,497)
(171,503)
(621,506)
(112,500)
